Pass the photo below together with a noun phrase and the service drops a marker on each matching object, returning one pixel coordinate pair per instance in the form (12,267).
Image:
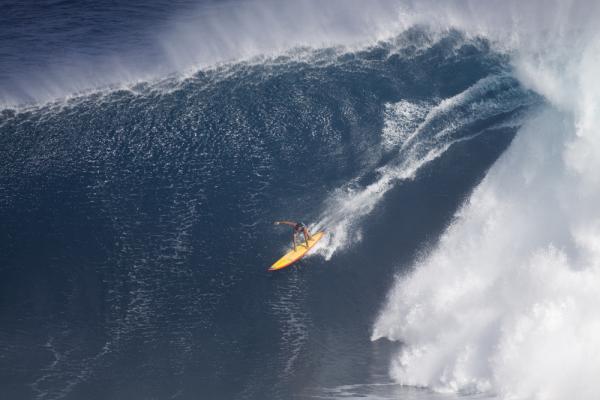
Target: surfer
(298,227)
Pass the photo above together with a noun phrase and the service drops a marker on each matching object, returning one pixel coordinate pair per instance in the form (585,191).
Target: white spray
(508,301)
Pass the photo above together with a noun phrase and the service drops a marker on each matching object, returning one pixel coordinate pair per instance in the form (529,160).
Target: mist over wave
(173,39)
(179,38)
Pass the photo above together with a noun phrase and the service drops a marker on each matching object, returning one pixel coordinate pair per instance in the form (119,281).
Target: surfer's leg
(294,241)
(307,233)
(306,236)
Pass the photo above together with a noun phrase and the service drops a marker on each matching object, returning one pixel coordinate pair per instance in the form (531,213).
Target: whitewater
(495,297)
(505,303)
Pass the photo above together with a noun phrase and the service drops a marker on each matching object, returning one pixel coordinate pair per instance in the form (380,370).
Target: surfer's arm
(290,223)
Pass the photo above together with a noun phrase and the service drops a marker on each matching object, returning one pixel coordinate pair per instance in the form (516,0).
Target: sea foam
(506,303)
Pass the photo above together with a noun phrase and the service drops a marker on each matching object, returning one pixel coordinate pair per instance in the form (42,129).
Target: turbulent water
(451,162)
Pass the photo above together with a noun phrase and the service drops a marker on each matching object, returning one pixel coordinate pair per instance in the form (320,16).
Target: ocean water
(447,150)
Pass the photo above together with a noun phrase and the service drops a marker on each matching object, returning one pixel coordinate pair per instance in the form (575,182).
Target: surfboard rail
(294,255)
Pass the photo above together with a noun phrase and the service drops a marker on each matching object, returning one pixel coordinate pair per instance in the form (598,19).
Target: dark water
(137,224)
(50,47)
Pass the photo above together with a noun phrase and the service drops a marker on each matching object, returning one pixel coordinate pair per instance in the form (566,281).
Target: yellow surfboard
(294,255)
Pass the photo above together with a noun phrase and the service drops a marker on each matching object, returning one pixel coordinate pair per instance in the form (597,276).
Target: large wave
(178,177)
(504,303)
